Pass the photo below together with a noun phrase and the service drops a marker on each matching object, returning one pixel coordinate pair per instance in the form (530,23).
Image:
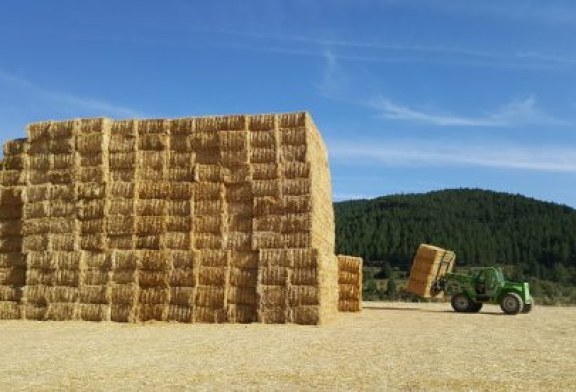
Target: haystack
(429,264)
(211,219)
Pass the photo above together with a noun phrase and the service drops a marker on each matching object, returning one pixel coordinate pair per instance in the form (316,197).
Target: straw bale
(240,208)
(126,260)
(183,259)
(296,187)
(94,312)
(212,276)
(15,162)
(181,241)
(183,277)
(37,242)
(124,128)
(272,223)
(118,225)
(297,240)
(210,315)
(124,294)
(11,229)
(62,145)
(304,258)
(244,259)
(92,226)
(41,162)
(152,312)
(306,315)
(13,276)
(60,260)
(181,175)
(99,260)
(37,193)
(293,136)
(148,278)
(61,294)
(213,258)
(155,260)
(122,190)
(14,177)
(93,125)
(151,207)
(125,277)
(152,126)
(267,205)
(123,175)
(63,192)
(272,315)
(153,142)
(242,296)
(209,223)
(148,242)
(14,244)
(9,311)
(150,225)
(181,159)
(10,293)
(271,296)
(265,171)
(123,313)
(96,159)
(208,241)
(36,210)
(121,144)
(349,291)
(182,126)
(271,188)
(274,276)
(10,212)
(91,191)
(208,207)
(233,141)
(120,242)
(94,241)
(89,174)
(208,156)
(275,258)
(267,240)
(15,147)
(63,242)
(239,158)
(37,294)
(61,311)
(210,296)
(181,147)
(59,208)
(96,276)
(240,222)
(208,191)
(292,120)
(209,173)
(263,138)
(122,160)
(178,191)
(151,175)
(154,295)
(262,122)
(38,147)
(152,190)
(35,312)
(243,277)
(12,260)
(179,208)
(297,204)
(63,161)
(91,143)
(243,314)
(151,160)
(121,207)
(296,223)
(290,153)
(264,155)
(181,314)
(304,276)
(51,277)
(181,224)
(238,241)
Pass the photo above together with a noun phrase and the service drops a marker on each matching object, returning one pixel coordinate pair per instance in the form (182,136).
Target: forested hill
(483,227)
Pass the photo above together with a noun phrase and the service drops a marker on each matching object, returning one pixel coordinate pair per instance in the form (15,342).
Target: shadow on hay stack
(214,219)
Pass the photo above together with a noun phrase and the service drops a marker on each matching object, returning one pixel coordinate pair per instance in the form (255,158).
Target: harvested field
(388,346)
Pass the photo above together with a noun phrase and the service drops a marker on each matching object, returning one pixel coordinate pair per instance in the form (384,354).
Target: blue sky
(410,95)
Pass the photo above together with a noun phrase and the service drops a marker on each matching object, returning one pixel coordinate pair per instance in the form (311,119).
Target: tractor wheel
(475,307)
(512,304)
(528,307)
(460,303)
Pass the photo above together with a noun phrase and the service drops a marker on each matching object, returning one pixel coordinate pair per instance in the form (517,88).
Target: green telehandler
(484,285)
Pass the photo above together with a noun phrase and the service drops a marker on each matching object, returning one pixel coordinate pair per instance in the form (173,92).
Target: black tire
(460,303)
(528,307)
(475,307)
(512,304)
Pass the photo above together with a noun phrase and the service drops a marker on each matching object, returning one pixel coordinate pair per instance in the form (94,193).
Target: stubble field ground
(388,346)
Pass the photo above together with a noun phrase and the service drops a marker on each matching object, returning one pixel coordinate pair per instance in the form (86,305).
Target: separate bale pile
(350,282)
(215,219)
(430,262)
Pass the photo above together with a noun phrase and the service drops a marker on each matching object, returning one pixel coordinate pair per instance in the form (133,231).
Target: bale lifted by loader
(431,277)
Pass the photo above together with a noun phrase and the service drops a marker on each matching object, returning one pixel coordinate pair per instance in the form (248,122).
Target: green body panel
(484,285)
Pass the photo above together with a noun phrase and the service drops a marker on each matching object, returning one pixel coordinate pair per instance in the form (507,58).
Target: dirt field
(389,346)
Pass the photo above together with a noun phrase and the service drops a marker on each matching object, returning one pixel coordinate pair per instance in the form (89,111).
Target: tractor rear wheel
(475,307)
(512,303)
(460,303)
(528,307)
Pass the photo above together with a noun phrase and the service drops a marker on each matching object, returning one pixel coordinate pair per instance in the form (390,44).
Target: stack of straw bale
(213,219)
(429,263)
(350,281)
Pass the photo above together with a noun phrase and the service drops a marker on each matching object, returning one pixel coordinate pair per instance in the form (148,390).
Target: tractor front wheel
(512,303)
(460,303)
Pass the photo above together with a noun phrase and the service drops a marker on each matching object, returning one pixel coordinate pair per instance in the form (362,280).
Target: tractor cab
(488,282)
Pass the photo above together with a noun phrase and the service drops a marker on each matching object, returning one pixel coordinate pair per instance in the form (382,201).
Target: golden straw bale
(96,276)
(122,190)
(263,138)
(123,313)
(12,229)
(238,241)
(148,278)
(267,205)
(92,226)
(272,223)
(153,142)
(126,259)
(37,193)
(61,294)
(242,314)
(146,225)
(181,224)
(41,162)
(210,296)
(96,159)
(63,242)
(209,173)
(274,276)
(293,120)
(121,207)
(63,192)
(123,175)
(265,171)
(155,260)
(10,293)
(15,244)
(36,210)
(12,260)
(93,125)
(210,314)
(10,311)
(148,242)
(61,311)
(151,160)
(209,223)
(304,295)
(122,144)
(306,315)
(212,276)
(267,240)
(242,295)
(208,191)
(233,141)
(181,147)
(146,127)
(154,295)
(94,241)
(240,221)
(296,187)
(304,258)
(124,277)
(273,314)
(180,241)
(90,143)
(177,191)
(182,126)
(94,312)
(208,207)
(99,294)
(304,276)
(63,260)
(238,192)
(239,158)
(10,212)
(262,122)
(273,295)
(13,276)
(37,242)
(270,188)
(15,162)
(151,175)
(91,191)
(120,225)
(90,174)
(122,160)
(120,242)
(181,314)
(297,204)
(152,190)
(183,259)
(124,294)
(62,145)
(293,136)
(264,155)
(208,241)
(151,207)
(18,177)
(63,161)
(243,277)
(290,153)
(297,240)
(149,312)
(60,208)
(15,147)
(179,208)
(124,128)
(183,277)
(213,258)
(275,258)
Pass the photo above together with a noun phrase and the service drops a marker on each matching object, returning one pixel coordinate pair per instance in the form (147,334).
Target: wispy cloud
(422,153)
(511,114)
(63,101)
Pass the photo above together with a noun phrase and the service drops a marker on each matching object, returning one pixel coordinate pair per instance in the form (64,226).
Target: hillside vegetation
(534,240)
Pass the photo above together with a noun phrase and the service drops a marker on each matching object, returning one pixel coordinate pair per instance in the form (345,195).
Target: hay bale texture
(429,263)
(212,219)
